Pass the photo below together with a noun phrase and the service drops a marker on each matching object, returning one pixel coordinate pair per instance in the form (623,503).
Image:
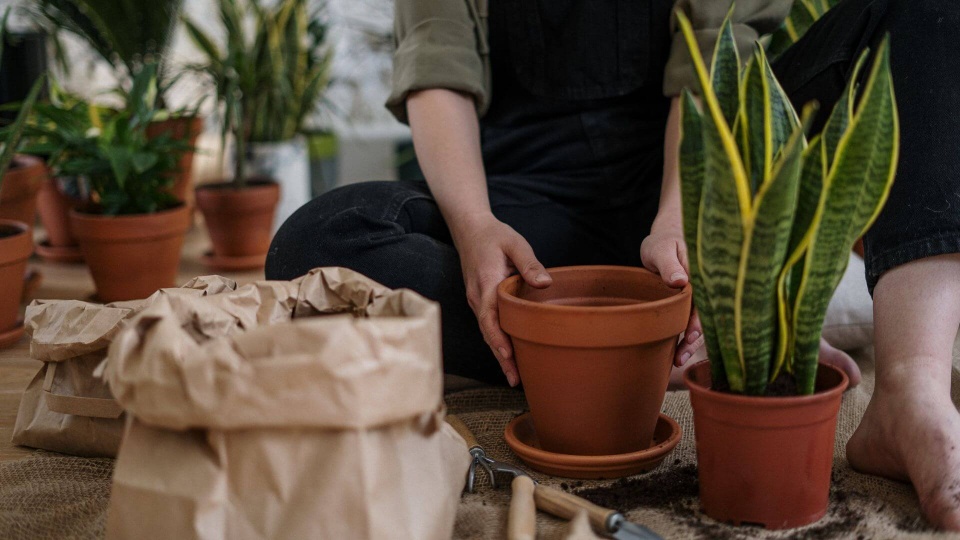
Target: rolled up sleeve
(439,45)
(751,20)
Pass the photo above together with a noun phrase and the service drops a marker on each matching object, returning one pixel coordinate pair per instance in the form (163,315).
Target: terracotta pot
(181,128)
(21,183)
(16,246)
(239,220)
(54,209)
(765,460)
(132,256)
(594,352)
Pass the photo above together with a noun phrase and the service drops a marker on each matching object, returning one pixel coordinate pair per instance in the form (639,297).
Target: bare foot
(909,433)
(839,359)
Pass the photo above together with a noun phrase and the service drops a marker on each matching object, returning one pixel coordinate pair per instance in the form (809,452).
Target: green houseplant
(802,15)
(132,228)
(769,221)
(131,35)
(16,241)
(266,83)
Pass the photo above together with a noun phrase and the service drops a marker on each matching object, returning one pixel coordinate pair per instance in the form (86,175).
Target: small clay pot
(16,246)
(21,183)
(186,129)
(54,209)
(239,220)
(765,460)
(594,352)
(131,256)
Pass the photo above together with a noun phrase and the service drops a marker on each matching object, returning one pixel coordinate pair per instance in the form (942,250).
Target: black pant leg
(922,216)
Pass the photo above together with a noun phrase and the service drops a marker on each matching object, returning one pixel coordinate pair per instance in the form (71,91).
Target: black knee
(321,232)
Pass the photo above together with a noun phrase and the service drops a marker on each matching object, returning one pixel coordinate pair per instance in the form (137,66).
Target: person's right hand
(490,251)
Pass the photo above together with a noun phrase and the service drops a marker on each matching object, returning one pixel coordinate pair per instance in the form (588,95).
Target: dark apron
(577,111)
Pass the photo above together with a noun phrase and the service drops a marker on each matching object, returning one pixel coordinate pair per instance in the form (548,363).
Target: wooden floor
(74,282)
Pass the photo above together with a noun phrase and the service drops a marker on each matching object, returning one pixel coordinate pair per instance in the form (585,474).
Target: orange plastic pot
(130,257)
(21,183)
(239,220)
(186,129)
(16,246)
(765,460)
(594,352)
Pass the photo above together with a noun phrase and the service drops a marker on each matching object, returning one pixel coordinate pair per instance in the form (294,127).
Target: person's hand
(664,252)
(490,251)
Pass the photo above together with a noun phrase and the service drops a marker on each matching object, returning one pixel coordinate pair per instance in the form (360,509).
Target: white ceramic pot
(287,162)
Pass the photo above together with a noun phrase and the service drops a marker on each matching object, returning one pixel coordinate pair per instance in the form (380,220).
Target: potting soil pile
(57,497)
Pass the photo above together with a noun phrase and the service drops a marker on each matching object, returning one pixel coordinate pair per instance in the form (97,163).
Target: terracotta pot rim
(768,402)
(680,297)
(127,217)
(14,224)
(18,246)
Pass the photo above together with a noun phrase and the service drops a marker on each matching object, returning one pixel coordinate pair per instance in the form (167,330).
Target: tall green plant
(802,16)
(128,34)
(770,218)
(266,82)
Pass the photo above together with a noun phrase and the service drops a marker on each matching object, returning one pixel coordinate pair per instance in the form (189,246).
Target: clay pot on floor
(180,128)
(21,183)
(130,257)
(239,221)
(54,207)
(765,460)
(16,245)
(594,352)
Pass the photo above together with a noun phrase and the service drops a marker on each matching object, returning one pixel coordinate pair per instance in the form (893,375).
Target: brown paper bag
(66,407)
(304,409)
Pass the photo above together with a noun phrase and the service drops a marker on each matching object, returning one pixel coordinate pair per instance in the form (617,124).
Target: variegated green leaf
(839,119)
(724,207)
(725,72)
(691,185)
(854,191)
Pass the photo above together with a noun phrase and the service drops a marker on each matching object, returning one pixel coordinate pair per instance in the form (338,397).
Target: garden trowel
(552,501)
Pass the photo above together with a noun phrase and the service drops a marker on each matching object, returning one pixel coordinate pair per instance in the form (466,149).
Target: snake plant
(769,217)
(802,16)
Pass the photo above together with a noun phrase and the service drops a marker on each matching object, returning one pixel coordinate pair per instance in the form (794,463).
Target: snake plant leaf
(765,248)
(725,71)
(724,207)
(855,189)
(839,119)
(691,185)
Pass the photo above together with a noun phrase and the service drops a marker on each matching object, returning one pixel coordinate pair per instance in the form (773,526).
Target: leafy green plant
(12,134)
(769,218)
(128,172)
(266,82)
(802,16)
(128,34)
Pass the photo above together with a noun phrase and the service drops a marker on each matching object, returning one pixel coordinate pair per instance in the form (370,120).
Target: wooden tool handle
(522,520)
(463,430)
(567,505)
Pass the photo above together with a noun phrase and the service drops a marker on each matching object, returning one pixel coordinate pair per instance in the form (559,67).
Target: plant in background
(128,34)
(266,82)
(12,134)
(128,172)
(770,218)
(802,16)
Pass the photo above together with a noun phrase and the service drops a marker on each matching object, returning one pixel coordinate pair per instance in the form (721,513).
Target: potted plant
(16,239)
(129,35)
(769,219)
(132,229)
(266,84)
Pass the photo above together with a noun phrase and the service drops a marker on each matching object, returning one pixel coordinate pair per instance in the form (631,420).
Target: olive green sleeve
(751,20)
(439,44)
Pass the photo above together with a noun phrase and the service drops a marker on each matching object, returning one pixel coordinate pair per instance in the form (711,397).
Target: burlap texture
(52,497)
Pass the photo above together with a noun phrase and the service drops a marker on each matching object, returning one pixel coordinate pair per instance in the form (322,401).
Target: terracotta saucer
(59,254)
(522,439)
(249,262)
(12,335)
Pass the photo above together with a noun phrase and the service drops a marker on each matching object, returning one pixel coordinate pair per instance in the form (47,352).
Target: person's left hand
(664,252)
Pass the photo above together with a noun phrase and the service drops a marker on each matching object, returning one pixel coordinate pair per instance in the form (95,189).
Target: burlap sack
(304,409)
(66,408)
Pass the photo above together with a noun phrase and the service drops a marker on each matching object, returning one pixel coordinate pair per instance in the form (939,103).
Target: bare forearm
(669,213)
(446,135)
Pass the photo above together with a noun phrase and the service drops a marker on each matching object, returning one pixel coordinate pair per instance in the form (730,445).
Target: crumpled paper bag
(66,407)
(303,409)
